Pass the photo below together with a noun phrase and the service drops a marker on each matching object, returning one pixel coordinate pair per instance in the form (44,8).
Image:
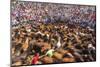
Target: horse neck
(59,38)
(27,40)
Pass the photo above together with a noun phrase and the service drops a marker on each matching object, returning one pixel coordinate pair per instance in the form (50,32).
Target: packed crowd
(46,33)
(48,12)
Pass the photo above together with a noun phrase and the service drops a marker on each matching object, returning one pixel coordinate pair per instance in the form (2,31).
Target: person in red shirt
(35,58)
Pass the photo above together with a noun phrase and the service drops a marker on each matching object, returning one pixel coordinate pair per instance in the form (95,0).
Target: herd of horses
(48,43)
